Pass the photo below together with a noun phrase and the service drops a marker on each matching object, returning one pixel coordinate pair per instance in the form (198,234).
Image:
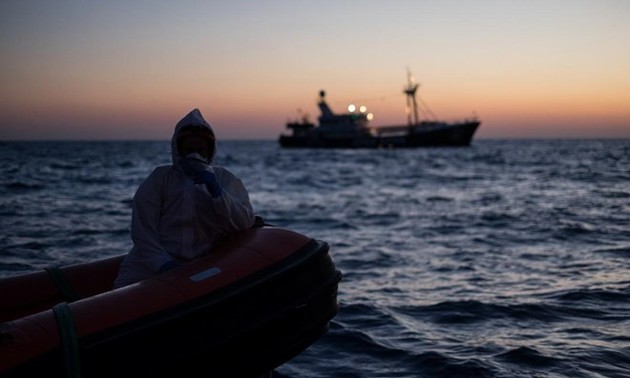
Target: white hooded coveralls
(174,218)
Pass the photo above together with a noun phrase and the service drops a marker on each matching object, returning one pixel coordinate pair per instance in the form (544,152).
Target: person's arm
(226,195)
(233,203)
(231,210)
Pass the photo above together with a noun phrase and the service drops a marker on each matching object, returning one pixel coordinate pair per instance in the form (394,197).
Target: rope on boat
(62,284)
(69,339)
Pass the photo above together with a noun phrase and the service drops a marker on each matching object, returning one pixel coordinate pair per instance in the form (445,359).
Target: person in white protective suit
(181,210)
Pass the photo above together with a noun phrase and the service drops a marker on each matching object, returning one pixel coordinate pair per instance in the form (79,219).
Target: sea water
(508,258)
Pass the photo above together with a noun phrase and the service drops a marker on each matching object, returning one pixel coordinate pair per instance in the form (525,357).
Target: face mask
(196,156)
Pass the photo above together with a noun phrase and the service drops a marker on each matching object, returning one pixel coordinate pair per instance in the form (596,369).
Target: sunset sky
(132,69)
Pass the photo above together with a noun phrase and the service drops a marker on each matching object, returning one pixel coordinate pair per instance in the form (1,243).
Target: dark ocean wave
(622,295)
(20,186)
(469,312)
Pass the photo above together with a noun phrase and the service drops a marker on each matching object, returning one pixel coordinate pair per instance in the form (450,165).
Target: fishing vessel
(255,302)
(352,129)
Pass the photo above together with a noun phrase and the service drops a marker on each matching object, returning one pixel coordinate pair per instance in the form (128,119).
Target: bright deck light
(351,108)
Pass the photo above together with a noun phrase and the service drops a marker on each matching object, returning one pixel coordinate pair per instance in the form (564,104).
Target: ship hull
(424,135)
(450,135)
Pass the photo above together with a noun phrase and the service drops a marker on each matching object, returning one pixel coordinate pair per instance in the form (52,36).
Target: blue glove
(210,179)
(200,174)
(170,264)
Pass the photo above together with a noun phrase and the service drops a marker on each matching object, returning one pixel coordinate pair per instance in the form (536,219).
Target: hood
(194,123)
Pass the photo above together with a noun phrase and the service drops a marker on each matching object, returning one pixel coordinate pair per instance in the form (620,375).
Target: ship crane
(410,91)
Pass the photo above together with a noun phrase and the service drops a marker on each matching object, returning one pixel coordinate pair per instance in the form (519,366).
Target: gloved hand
(201,173)
(170,264)
(210,179)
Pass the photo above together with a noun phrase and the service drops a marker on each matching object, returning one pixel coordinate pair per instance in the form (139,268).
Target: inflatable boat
(254,303)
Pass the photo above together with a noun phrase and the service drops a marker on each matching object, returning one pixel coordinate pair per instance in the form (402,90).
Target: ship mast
(410,91)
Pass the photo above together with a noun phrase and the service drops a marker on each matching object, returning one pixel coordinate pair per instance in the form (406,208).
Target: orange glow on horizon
(114,71)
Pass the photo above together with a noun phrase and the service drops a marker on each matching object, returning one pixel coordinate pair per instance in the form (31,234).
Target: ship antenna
(410,91)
